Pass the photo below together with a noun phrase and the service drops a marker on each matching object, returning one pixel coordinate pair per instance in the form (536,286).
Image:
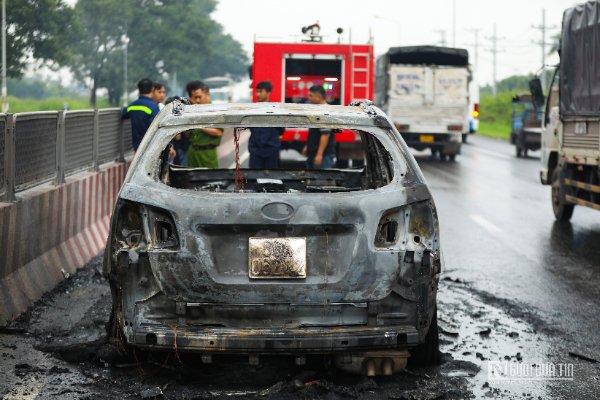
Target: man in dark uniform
(320,143)
(264,143)
(141,112)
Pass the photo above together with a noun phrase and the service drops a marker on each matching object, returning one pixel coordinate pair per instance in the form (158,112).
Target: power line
(476,47)
(542,43)
(494,49)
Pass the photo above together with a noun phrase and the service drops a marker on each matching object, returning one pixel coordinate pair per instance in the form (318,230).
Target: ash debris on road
(59,348)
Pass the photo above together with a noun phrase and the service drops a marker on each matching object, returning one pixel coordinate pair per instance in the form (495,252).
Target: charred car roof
(261,114)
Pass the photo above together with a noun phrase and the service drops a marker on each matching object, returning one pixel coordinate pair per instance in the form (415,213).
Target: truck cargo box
(580,61)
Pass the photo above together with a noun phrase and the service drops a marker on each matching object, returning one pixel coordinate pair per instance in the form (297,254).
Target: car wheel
(442,156)
(562,210)
(519,151)
(452,157)
(525,152)
(428,352)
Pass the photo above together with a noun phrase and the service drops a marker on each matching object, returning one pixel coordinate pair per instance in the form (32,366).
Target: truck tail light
(402,127)
(455,128)
(476,110)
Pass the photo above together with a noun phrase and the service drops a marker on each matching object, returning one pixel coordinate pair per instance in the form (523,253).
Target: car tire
(428,352)
(452,157)
(562,210)
(518,152)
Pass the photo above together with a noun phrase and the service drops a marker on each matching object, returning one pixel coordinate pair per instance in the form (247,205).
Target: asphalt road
(519,291)
(500,238)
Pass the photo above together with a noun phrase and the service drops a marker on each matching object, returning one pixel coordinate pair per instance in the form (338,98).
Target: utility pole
(494,39)
(453,23)
(475,47)
(442,32)
(4,91)
(543,28)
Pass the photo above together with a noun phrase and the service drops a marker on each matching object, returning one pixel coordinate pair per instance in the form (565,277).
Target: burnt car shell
(179,262)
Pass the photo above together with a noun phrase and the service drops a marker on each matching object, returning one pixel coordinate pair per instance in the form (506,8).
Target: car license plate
(277,258)
(426,138)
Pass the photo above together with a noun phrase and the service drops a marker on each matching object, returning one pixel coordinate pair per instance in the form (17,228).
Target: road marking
(485,224)
(492,153)
(243,159)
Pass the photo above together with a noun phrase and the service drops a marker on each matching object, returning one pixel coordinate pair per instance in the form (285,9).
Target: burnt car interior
(375,172)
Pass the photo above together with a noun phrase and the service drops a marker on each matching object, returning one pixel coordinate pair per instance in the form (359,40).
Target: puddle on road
(480,332)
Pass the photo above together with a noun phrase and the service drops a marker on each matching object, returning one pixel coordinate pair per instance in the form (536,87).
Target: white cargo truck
(425,91)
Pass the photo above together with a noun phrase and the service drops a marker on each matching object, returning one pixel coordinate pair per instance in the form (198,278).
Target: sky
(406,23)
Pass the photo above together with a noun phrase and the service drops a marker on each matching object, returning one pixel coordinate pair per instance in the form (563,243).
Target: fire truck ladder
(355,72)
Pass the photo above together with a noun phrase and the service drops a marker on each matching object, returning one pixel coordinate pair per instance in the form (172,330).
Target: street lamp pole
(125,68)
(4,91)
(398,26)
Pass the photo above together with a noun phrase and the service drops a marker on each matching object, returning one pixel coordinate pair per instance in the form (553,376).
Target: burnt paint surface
(344,264)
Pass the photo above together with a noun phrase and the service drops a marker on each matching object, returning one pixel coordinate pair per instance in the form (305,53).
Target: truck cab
(551,126)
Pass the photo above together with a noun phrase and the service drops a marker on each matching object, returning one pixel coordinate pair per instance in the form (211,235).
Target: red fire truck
(345,70)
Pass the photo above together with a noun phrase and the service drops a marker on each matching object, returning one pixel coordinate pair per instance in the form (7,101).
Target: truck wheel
(562,210)
(525,150)
(519,151)
(452,157)
(442,156)
(428,352)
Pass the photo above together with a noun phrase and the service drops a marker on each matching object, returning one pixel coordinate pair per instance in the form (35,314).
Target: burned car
(337,262)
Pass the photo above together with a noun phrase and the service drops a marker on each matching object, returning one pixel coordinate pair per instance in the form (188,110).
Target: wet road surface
(518,288)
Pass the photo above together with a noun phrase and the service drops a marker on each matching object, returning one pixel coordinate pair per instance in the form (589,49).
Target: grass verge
(18,105)
(494,130)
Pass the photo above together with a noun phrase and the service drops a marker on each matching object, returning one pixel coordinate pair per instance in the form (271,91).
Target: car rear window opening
(359,164)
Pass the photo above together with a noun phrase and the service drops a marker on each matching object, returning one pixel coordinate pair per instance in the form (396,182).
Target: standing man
(264,143)
(203,141)
(141,112)
(158,94)
(320,143)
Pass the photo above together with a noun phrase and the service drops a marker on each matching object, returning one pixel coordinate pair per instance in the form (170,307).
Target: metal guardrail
(40,147)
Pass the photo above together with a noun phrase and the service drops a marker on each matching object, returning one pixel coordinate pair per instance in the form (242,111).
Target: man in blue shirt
(141,112)
(264,144)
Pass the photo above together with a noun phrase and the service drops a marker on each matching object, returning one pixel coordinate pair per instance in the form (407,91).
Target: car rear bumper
(275,340)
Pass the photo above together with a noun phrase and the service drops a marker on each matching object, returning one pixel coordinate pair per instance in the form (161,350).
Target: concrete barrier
(51,231)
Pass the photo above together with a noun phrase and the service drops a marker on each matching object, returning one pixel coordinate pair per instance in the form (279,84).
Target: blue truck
(526,124)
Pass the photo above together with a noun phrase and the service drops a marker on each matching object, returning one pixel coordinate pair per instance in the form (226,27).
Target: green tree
(510,84)
(39,29)
(165,37)
(99,33)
